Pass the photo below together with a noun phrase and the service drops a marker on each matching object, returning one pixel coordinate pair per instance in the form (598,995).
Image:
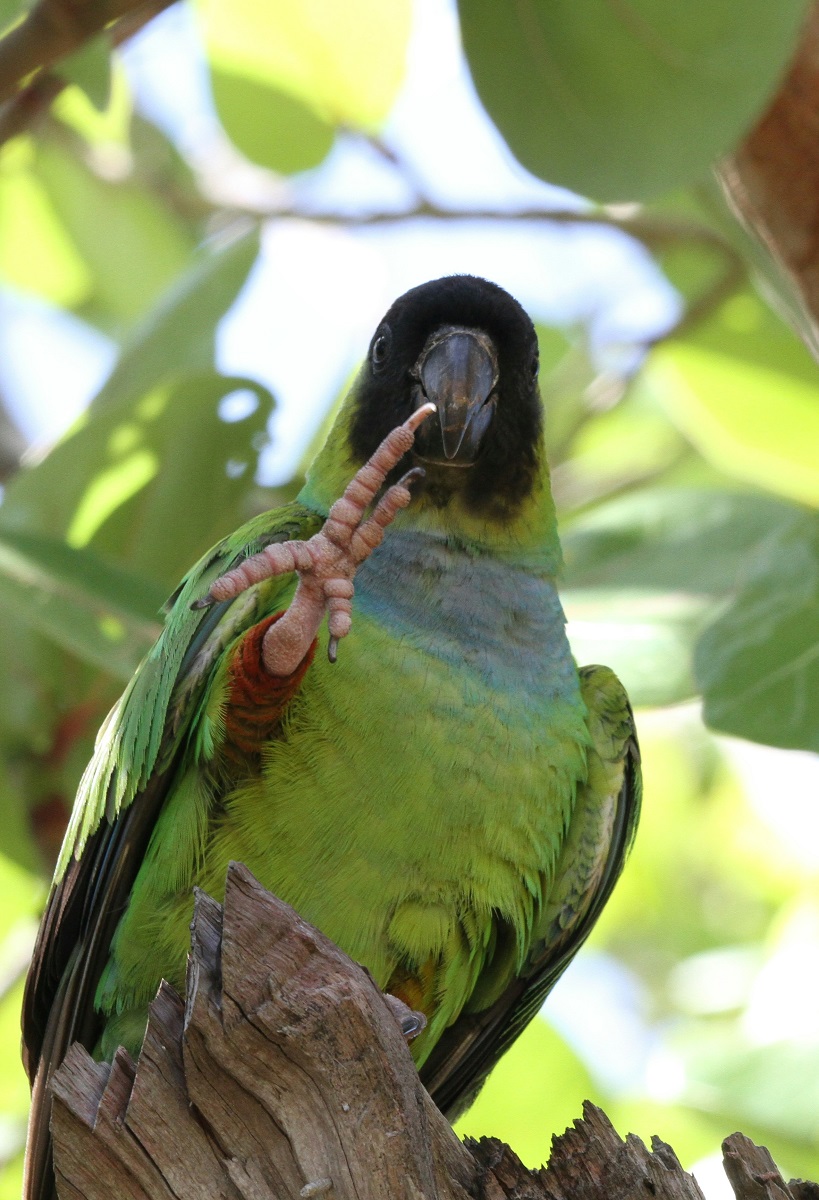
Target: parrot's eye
(535,365)
(381,348)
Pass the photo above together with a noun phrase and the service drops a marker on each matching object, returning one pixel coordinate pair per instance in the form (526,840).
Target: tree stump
(285,1075)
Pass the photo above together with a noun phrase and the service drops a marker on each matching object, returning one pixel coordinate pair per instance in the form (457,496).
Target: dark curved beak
(458,371)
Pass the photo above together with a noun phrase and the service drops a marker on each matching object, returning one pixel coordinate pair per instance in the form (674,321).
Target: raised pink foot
(327,563)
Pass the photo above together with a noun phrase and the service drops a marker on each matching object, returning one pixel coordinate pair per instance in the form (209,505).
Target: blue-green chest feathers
(423,784)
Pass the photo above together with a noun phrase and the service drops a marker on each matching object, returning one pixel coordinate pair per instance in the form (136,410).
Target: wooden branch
(285,1075)
(53,29)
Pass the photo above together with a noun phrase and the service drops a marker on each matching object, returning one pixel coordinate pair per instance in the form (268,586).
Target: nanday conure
(451,801)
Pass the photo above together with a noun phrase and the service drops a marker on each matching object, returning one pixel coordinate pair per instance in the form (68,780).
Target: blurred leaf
(99,127)
(552,344)
(90,69)
(536,1090)
(51,704)
(36,253)
(616,444)
(644,573)
(754,421)
(774,1088)
(645,637)
(134,246)
(15,1084)
(18,843)
(746,328)
(159,166)
(344,61)
(126,476)
(268,125)
(151,482)
(617,101)
(11,1178)
(101,613)
(206,469)
(758,665)
(20,895)
(10,10)
(178,334)
(566,372)
(781,318)
(682,539)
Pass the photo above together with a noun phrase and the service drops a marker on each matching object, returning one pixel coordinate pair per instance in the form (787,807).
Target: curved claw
(327,562)
(412,476)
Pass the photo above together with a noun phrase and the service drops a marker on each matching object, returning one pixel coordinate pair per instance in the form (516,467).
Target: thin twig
(654,232)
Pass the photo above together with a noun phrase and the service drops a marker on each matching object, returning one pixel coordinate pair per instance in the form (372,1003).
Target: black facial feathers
(508,463)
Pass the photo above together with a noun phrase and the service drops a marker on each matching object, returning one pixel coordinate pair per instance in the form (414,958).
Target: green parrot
(446,795)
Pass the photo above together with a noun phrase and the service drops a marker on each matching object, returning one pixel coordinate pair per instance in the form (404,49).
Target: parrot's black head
(469,347)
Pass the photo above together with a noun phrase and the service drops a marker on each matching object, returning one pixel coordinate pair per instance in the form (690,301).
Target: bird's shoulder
(144,730)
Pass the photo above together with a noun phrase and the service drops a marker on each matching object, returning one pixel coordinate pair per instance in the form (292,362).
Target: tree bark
(285,1074)
(772,180)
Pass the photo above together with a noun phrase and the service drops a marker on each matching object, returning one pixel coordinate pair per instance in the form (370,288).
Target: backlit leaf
(624,101)
(344,61)
(105,615)
(758,665)
(270,127)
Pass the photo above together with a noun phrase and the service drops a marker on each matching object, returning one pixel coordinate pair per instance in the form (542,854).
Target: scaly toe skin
(327,563)
(343,521)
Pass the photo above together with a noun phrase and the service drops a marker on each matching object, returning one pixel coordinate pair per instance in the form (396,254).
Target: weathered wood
(285,1075)
(590,1160)
(753,1175)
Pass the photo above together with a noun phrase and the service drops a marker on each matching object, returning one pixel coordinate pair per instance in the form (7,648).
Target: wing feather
(135,764)
(597,842)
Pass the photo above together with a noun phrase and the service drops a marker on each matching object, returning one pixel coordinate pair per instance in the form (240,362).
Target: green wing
(145,727)
(597,842)
(135,762)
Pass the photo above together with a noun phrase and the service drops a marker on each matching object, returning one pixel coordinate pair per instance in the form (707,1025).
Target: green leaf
(107,127)
(90,69)
(646,572)
(745,327)
(645,637)
(344,61)
(151,422)
(269,126)
(104,615)
(150,483)
(10,10)
(772,1088)
(691,540)
(758,664)
(624,101)
(754,421)
(36,253)
(133,245)
(178,334)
